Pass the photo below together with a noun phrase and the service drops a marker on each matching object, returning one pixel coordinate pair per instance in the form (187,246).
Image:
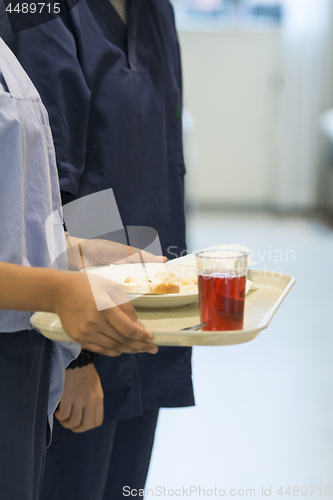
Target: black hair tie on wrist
(85,358)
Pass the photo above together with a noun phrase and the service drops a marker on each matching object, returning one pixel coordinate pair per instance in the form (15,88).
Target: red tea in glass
(221,298)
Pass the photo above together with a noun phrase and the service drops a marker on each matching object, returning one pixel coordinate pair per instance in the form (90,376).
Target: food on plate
(161,284)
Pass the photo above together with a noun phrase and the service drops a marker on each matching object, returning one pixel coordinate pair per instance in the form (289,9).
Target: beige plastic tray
(166,324)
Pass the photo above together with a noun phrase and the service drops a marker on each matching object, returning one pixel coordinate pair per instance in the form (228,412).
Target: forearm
(28,288)
(83,253)
(72,241)
(111,330)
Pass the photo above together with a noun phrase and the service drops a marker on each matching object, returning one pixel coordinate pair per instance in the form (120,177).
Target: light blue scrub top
(31,232)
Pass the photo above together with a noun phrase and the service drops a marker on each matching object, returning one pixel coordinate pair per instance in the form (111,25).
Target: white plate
(167,301)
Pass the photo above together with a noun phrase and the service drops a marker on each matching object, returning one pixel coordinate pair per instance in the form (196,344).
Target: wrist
(72,292)
(61,290)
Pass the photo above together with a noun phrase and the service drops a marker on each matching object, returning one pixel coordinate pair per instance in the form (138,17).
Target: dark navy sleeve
(176,48)
(48,53)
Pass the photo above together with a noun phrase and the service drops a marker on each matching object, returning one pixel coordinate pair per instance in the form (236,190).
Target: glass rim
(241,253)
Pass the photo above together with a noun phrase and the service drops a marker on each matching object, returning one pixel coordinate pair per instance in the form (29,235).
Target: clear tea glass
(222,283)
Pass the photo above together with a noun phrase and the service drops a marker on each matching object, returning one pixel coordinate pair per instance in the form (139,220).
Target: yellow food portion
(162,283)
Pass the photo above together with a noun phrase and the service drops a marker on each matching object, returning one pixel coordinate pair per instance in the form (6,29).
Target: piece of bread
(160,284)
(164,288)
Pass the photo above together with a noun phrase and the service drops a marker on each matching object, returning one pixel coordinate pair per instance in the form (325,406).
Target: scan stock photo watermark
(196,491)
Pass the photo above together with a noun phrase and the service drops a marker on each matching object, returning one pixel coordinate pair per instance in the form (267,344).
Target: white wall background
(256,97)
(232,89)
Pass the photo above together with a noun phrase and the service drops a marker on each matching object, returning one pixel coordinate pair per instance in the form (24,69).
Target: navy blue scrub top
(113,93)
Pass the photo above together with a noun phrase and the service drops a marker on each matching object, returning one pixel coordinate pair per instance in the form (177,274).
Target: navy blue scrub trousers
(25,358)
(98,464)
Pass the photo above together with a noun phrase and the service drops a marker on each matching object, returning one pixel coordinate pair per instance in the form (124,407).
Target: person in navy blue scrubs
(31,366)
(112,86)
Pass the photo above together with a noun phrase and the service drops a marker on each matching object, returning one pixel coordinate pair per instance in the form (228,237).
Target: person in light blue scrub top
(31,366)
(115,106)
(29,363)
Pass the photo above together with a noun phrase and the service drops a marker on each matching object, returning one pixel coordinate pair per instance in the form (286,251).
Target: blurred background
(257,78)
(258,138)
